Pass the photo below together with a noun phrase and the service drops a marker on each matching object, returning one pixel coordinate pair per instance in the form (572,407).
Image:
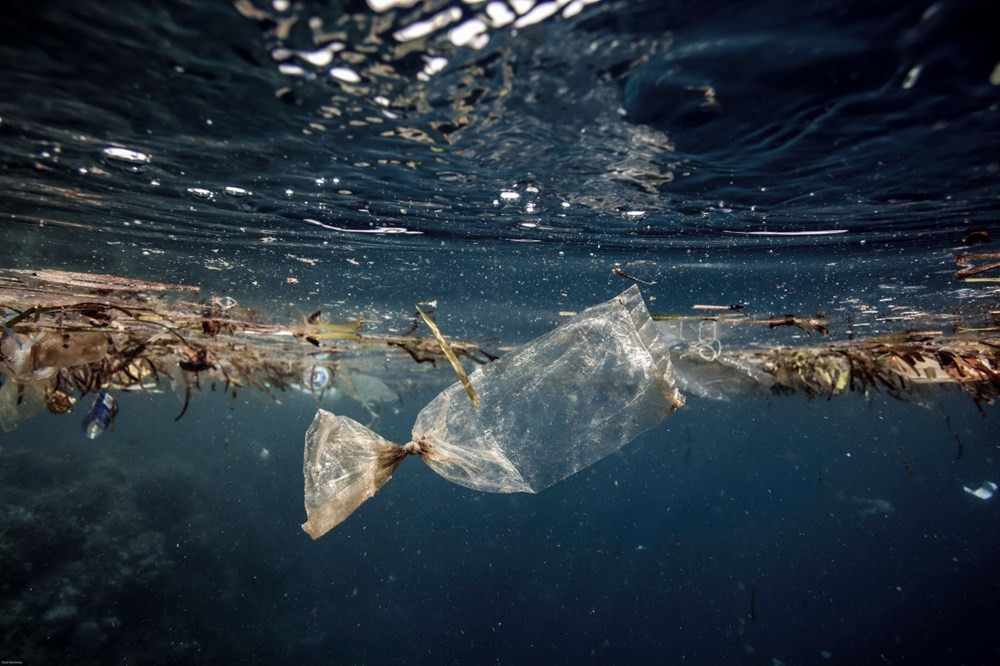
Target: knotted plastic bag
(547,410)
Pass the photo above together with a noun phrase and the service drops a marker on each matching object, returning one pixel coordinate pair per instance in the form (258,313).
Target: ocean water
(509,160)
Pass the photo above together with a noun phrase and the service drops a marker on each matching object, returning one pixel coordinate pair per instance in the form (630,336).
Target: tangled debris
(904,364)
(66,335)
(900,368)
(547,410)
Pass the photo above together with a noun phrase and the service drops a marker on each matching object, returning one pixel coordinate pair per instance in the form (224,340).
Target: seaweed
(65,335)
(900,369)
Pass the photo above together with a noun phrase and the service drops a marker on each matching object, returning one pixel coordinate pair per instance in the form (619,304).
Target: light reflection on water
(557,132)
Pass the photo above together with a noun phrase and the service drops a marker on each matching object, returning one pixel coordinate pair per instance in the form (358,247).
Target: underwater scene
(500,332)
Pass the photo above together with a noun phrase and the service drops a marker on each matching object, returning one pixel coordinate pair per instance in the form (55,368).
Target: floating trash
(101,415)
(64,336)
(534,417)
(984,491)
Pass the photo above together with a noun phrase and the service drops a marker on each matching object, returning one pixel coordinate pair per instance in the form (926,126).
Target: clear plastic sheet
(548,410)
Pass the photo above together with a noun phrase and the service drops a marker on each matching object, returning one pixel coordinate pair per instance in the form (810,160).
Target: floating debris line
(65,335)
(901,369)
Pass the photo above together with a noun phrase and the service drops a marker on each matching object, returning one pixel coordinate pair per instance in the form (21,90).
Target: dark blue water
(793,157)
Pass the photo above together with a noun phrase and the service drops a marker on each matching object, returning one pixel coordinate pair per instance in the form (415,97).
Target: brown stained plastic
(356,469)
(548,410)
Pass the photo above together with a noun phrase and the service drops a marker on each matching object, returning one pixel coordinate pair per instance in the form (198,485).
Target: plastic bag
(21,385)
(548,410)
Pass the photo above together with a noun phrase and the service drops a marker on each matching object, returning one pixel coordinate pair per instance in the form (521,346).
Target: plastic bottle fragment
(549,409)
(983,492)
(101,415)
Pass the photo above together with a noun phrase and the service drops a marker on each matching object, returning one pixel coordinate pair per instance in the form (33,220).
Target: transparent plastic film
(345,464)
(557,404)
(547,410)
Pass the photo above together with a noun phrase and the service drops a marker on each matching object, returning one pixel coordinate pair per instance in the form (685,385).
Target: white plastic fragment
(984,491)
